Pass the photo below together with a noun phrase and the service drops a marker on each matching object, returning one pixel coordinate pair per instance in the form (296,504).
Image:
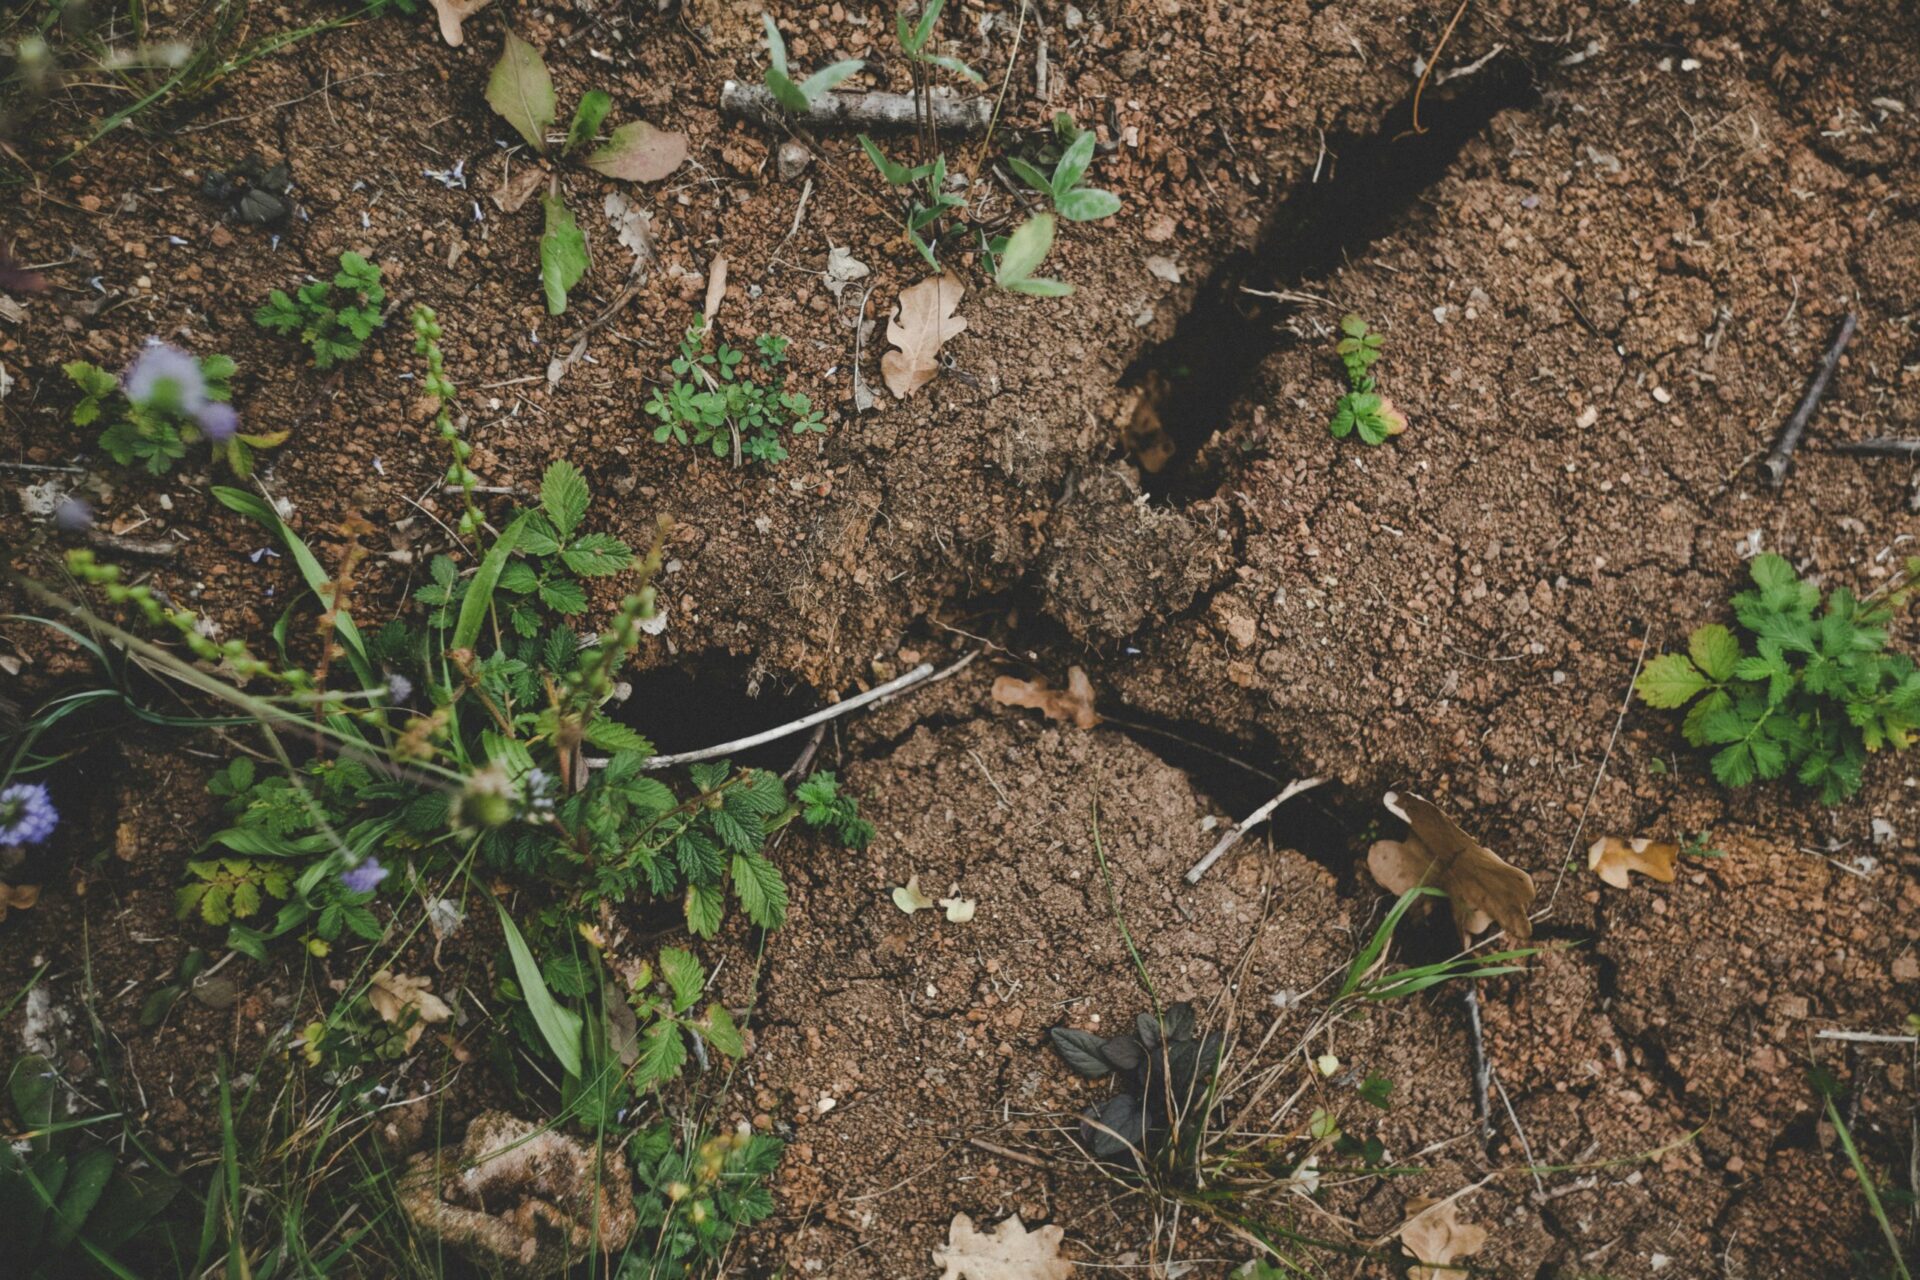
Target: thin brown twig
(1433,62)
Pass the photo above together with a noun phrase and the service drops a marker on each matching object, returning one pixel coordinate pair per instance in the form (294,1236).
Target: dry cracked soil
(1606,245)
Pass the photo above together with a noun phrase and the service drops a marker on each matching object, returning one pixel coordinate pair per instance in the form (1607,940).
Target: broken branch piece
(855,110)
(1779,460)
(1246,824)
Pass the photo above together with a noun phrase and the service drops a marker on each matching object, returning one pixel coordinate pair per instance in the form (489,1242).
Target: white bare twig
(924,673)
(1865,1037)
(1252,820)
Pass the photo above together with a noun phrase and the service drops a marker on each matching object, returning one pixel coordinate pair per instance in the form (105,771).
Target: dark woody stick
(1779,460)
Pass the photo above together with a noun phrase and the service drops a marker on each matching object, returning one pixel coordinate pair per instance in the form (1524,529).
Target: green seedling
(915,37)
(1019,255)
(692,1202)
(798,96)
(1813,696)
(1070,200)
(336,327)
(520,89)
(1363,408)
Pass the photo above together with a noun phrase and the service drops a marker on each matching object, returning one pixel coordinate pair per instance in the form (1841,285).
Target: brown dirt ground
(1595,315)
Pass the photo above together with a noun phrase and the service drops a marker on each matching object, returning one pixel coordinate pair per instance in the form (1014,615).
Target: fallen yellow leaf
(1435,1236)
(1480,887)
(1612,858)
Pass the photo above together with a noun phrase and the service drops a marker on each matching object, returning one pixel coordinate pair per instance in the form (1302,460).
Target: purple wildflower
(165,377)
(27,815)
(217,420)
(364,878)
(72,515)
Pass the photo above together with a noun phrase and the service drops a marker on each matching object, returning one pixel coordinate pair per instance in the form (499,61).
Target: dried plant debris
(1435,1236)
(922,322)
(1074,704)
(1008,1252)
(452,14)
(406,1002)
(909,897)
(519,1200)
(1614,860)
(252,191)
(1164,1072)
(1481,887)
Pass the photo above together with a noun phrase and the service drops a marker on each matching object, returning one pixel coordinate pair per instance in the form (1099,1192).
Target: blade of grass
(479,597)
(1865,1177)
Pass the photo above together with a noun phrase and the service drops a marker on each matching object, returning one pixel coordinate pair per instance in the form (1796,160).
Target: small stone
(792,160)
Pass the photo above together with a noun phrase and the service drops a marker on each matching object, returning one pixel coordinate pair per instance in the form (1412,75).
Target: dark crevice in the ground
(1365,189)
(709,698)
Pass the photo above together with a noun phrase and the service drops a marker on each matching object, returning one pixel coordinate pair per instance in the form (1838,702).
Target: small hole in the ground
(1240,777)
(1189,384)
(712,699)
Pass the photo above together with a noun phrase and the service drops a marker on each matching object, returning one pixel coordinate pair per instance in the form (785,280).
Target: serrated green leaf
(705,905)
(522,92)
(1669,681)
(562,595)
(662,1054)
(1714,651)
(564,496)
(761,890)
(595,555)
(684,977)
(721,1033)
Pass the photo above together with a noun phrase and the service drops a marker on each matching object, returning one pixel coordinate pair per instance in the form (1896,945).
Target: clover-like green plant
(715,401)
(336,328)
(1813,696)
(797,96)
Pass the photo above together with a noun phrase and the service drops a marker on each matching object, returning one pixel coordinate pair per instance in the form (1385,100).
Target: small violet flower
(27,815)
(217,420)
(364,878)
(399,688)
(165,377)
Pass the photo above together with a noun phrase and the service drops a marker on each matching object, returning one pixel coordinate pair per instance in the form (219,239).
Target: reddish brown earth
(1603,278)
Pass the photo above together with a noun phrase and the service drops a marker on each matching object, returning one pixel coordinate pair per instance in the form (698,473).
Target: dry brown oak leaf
(453,13)
(922,321)
(1612,858)
(1434,1234)
(1074,704)
(1009,1252)
(1481,888)
(393,995)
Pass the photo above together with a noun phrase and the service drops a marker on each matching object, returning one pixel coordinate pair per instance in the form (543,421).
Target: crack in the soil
(1191,381)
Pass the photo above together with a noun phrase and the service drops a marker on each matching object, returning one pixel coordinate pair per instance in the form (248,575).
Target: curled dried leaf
(1614,859)
(393,995)
(1074,704)
(1435,1236)
(452,14)
(1481,887)
(17,897)
(910,899)
(959,910)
